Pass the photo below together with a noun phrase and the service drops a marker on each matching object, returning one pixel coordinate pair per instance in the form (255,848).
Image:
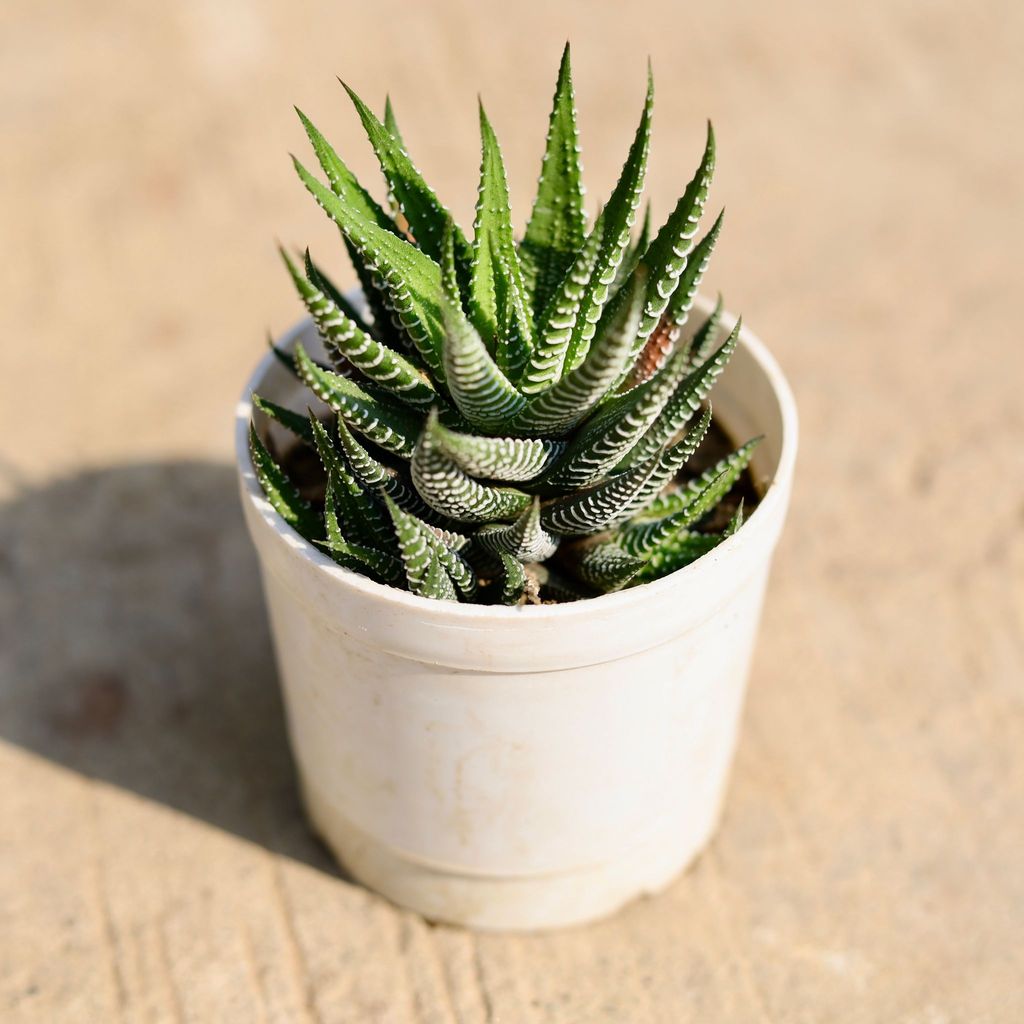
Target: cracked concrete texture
(155,863)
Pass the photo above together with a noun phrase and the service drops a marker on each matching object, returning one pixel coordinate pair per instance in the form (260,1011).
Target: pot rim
(475,614)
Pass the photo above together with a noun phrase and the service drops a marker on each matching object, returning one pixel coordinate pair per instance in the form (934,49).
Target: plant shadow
(134,646)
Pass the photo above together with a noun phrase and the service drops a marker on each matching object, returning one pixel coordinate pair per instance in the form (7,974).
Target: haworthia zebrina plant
(510,421)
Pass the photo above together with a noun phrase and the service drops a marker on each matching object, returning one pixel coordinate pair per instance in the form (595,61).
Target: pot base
(510,903)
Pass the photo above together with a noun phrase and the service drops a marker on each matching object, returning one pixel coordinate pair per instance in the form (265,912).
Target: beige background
(154,864)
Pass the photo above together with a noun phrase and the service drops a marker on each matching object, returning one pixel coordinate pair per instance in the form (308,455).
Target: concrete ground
(155,865)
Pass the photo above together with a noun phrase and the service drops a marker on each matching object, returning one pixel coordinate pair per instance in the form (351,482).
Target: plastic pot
(520,768)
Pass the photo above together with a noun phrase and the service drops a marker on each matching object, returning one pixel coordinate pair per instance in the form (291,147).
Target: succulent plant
(512,420)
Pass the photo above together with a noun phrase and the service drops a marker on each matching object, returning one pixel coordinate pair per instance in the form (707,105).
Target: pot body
(531,767)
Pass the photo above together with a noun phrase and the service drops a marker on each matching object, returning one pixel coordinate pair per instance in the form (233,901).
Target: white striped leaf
(676,554)
(320,280)
(586,512)
(514,581)
(415,198)
(570,399)
(548,358)
(570,335)
(635,251)
(282,494)
(612,432)
(366,560)
(346,186)
(685,400)
(343,337)
(381,479)
(526,538)
(689,281)
(667,256)
(509,459)
(686,547)
(497,295)
(606,567)
(706,337)
(479,389)
(669,462)
(291,421)
(450,491)
(393,427)
(731,465)
(642,538)
(445,548)
(411,278)
(555,230)
(425,575)
(363,518)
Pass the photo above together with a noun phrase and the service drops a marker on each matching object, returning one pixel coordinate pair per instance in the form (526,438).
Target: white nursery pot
(521,768)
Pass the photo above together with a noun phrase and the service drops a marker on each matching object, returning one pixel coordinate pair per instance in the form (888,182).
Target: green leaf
(459,571)
(347,342)
(390,123)
(555,230)
(367,561)
(633,254)
(363,518)
(570,399)
(331,521)
(706,337)
(548,358)
(386,323)
(667,256)
(675,554)
(347,188)
(614,430)
(424,573)
(595,509)
(286,359)
(684,548)
(526,538)
(729,469)
(281,492)
(448,490)
(343,182)
(689,281)
(391,426)
(508,459)
(320,280)
(515,583)
(735,521)
(497,296)
(642,538)
(416,199)
(669,462)
(606,567)
(291,421)
(378,478)
(445,547)
(479,389)
(570,335)
(412,279)
(685,400)
(377,565)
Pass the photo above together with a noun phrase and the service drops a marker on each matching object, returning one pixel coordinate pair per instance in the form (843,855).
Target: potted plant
(513,597)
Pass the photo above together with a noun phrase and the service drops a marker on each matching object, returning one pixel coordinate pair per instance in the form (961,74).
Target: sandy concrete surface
(154,864)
